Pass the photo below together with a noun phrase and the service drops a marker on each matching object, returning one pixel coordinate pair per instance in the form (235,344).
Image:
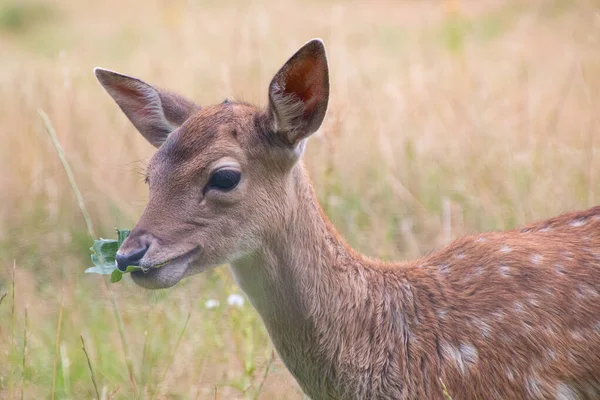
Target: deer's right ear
(155,113)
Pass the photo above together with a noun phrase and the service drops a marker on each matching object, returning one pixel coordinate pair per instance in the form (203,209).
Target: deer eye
(224,180)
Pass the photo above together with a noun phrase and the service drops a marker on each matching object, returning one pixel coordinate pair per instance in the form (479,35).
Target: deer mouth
(165,274)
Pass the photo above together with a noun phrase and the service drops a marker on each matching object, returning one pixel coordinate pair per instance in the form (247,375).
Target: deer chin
(167,274)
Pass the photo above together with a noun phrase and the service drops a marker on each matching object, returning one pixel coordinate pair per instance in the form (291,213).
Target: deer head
(221,180)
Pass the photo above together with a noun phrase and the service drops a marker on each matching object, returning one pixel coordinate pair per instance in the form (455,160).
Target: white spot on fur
(565,392)
(469,353)
(442,313)
(505,249)
(498,315)
(584,291)
(576,223)
(536,258)
(460,256)
(545,229)
(484,327)
(533,302)
(480,240)
(589,251)
(533,386)
(510,375)
(463,357)
(504,270)
(518,307)
(551,354)
(444,269)
(453,355)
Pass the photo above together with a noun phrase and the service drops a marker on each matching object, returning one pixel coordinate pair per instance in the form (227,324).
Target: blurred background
(446,118)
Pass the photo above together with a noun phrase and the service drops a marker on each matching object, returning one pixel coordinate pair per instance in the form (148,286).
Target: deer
(495,315)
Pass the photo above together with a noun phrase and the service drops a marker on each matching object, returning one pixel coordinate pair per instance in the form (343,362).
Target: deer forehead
(221,131)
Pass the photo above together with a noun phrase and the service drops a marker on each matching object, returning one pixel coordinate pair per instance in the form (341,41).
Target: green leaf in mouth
(104,253)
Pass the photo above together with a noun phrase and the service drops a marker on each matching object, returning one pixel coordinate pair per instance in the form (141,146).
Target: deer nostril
(131,258)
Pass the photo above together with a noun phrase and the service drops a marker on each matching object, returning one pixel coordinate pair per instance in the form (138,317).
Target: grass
(18,16)
(87,357)
(445,118)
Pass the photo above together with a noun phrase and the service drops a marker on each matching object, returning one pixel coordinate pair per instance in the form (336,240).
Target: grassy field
(446,117)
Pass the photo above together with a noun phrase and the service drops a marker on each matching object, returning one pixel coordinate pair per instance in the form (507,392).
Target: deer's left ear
(299,93)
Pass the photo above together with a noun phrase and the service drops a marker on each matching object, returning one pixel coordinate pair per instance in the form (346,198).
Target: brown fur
(500,315)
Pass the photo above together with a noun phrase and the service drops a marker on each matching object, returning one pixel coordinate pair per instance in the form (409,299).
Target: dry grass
(446,118)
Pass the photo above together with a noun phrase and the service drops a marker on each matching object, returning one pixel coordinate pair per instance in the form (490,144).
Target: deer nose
(131,258)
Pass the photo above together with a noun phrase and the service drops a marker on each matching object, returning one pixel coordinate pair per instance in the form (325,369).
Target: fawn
(499,315)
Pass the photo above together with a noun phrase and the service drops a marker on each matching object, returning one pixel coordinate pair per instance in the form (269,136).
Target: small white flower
(235,300)
(211,303)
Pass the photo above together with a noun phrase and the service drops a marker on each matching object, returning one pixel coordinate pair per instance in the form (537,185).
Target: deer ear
(299,93)
(155,113)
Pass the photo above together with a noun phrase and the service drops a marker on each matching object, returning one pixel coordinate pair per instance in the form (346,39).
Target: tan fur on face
(180,217)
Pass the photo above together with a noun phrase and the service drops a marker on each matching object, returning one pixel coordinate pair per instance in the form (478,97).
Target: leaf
(104,269)
(104,253)
(116,276)
(105,250)
(122,235)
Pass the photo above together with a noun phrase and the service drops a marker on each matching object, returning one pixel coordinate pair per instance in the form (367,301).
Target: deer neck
(298,264)
(300,283)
